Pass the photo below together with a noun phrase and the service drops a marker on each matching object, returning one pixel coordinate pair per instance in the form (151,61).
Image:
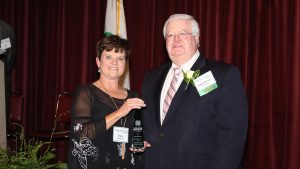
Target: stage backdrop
(56,52)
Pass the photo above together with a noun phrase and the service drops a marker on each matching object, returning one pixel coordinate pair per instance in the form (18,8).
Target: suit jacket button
(161,135)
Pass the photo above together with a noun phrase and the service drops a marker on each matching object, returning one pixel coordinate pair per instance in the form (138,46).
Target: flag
(115,24)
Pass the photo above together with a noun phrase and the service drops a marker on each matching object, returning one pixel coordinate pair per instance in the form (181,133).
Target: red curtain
(56,52)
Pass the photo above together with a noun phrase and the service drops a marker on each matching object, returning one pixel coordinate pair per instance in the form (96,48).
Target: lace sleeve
(87,136)
(83,123)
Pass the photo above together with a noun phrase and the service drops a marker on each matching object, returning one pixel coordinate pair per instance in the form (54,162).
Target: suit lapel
(158,89)
(181,92)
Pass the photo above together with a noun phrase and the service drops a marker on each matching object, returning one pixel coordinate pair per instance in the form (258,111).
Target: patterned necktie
(171,92)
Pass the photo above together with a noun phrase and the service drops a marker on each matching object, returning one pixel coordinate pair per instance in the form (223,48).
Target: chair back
(15,115)
(16,108)
(62,113)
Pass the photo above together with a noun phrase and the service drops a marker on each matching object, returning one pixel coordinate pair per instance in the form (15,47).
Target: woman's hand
(129,104)
(140,150)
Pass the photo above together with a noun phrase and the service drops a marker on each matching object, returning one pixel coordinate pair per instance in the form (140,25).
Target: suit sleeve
(232,121)
(144,89)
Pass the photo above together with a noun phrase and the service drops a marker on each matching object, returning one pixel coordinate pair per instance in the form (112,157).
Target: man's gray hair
(195,25)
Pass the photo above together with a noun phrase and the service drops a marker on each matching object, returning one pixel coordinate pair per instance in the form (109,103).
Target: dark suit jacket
(206,132)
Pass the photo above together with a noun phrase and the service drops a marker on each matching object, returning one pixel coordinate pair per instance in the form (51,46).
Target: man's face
(181,44)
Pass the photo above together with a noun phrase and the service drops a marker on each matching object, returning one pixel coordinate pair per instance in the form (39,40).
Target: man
(204,125)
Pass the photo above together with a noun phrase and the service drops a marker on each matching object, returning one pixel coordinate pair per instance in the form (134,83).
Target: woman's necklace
(121,146)
(117,109)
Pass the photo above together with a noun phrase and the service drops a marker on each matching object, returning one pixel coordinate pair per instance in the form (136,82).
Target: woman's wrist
(119,114)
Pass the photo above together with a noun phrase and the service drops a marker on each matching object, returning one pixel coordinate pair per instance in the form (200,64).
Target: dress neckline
(97,88)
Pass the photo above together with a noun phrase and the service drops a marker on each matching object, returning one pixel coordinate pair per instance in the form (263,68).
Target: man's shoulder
(217,63)
(220,69)
(158,70)
(155,76)
(219,66)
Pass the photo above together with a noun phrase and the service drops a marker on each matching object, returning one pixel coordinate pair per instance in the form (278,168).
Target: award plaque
(137,134)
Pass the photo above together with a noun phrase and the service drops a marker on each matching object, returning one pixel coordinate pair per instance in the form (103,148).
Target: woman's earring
(99,70)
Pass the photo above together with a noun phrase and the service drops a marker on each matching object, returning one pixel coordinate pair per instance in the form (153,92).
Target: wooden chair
(61,127)
(15,115)
(59,135)
(15,123)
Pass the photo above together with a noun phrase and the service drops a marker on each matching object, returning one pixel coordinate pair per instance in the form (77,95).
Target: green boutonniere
(190,76)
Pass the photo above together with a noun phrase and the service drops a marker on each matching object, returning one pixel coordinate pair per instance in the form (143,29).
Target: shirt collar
(188,65)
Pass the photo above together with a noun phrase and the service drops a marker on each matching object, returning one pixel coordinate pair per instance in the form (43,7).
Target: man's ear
(197,39)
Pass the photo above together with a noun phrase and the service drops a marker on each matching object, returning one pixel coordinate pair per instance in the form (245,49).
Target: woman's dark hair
(111,42)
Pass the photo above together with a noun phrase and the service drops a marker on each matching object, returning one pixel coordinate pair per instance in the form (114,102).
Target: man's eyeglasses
(179,35)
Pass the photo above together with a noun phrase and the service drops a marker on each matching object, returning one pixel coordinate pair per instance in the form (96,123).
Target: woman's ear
(98,62)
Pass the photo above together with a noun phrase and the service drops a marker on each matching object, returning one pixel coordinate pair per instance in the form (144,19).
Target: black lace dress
(91,145)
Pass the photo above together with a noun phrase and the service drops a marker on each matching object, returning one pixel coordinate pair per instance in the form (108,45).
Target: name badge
(120,134)
(205,83)
(5,43)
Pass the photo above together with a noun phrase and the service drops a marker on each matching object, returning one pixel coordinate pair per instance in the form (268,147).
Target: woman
(102,114)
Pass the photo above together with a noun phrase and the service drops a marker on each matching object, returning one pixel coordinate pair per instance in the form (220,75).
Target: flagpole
(115,24)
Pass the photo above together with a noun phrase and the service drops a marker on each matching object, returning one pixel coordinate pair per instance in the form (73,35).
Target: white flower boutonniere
(190,76)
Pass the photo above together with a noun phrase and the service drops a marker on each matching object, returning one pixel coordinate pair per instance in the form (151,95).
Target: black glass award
(137,134)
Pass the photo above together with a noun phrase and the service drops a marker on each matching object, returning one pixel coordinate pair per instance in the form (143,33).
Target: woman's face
(111,64)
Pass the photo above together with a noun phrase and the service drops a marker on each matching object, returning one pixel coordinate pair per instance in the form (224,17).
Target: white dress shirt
(185,67)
